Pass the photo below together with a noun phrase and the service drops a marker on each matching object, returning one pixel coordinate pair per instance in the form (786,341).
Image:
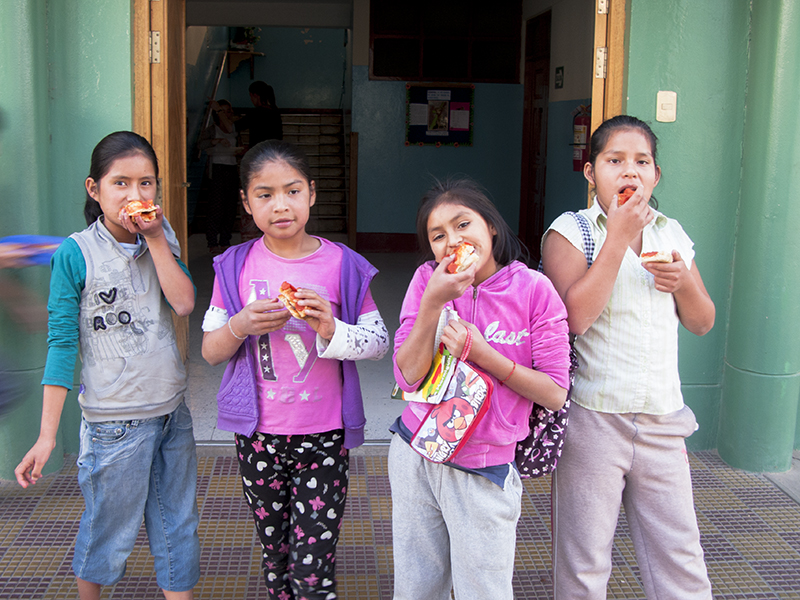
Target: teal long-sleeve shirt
(67,280)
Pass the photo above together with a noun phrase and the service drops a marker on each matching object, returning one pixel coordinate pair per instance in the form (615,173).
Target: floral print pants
(296,486)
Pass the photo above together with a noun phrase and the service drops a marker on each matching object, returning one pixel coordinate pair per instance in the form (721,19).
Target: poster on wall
(439,114)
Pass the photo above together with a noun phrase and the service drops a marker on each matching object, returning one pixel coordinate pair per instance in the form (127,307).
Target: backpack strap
(586,234)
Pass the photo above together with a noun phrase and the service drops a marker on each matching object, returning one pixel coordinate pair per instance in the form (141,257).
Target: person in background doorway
(262,123)
(627,421)
(219,140)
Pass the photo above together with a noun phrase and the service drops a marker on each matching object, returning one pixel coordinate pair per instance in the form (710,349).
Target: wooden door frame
(155,114)
(608,93)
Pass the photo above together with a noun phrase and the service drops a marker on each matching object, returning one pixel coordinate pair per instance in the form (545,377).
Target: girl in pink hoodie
(454,524)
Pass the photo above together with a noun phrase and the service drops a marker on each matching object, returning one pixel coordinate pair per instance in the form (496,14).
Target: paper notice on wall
(418,114)
(438,117)
(459,116)
(438,95)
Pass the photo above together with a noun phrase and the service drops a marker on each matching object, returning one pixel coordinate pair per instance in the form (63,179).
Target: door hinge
(602,7)
(155,47)
(601,63)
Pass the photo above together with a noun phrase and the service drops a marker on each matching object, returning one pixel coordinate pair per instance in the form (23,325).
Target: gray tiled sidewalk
(750,532)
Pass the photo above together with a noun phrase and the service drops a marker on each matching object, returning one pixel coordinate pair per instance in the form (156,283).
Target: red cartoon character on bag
(452,418)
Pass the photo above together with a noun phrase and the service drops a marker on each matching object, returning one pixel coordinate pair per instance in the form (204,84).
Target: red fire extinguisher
(581,123)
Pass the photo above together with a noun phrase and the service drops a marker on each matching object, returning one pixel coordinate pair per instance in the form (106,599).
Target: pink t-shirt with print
(298,392)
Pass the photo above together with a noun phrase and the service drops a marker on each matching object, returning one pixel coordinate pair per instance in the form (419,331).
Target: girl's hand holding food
(318,312)
(260,317)
(444,287)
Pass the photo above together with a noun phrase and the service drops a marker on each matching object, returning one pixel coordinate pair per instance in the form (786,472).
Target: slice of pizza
(286,294)
(139,208)
(660,256)
(625,195)
(465,257)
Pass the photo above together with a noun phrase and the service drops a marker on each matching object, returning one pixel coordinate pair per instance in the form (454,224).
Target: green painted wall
(761,383)
(699,50)
(65,82)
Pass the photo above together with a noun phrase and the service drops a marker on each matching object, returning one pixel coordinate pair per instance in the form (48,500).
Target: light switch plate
(666,106)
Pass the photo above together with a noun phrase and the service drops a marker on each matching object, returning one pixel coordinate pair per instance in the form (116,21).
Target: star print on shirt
(271,394)
(265,358)
(304,395)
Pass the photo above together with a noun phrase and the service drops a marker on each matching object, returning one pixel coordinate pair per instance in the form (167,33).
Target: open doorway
(306,71)
(562,81)
(534,133)
(571,26)
(310,71)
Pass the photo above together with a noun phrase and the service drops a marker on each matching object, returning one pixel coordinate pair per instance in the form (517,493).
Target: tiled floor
(750,531)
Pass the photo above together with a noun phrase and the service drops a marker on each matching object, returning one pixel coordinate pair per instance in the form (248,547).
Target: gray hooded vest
(131,365)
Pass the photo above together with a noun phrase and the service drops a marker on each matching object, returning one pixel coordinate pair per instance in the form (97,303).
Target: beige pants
(639,461)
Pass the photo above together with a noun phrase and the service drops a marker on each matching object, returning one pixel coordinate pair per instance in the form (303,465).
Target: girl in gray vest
(113,289)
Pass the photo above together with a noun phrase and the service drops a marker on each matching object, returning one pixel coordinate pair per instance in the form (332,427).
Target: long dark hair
(264,91)
(620,123)
(273,151)
(465,191)
(119,144)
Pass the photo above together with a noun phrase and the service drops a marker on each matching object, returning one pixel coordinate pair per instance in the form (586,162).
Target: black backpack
(538,453)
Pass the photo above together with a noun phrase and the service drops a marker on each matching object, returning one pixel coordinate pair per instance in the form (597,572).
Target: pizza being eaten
(625,195)
(286,294)
(465,257)
(660,256)
(139,208)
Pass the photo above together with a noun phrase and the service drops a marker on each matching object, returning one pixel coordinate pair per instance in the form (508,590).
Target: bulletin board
(439,114)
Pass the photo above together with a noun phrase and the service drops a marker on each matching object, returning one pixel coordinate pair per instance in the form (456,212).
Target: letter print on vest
(108,311)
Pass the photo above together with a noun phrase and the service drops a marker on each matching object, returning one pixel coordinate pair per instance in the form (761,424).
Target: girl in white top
(627,400)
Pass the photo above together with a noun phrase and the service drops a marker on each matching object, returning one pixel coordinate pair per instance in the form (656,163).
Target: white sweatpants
(451,529)
(640,461)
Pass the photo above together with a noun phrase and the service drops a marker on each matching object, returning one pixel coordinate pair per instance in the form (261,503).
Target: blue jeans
(134,469)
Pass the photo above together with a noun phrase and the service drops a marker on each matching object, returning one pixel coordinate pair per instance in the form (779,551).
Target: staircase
(322,136)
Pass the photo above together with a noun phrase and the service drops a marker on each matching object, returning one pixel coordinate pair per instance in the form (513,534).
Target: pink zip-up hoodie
(521,315)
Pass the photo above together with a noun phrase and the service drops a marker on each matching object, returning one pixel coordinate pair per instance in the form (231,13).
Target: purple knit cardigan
(237,400)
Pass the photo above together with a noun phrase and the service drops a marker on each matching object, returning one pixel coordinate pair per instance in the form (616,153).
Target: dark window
(446,40)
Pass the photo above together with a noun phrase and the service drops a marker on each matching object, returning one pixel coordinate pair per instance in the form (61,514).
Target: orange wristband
(513,368)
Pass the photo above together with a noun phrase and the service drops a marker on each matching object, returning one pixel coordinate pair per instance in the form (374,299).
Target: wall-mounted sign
(439,114)
(559,77)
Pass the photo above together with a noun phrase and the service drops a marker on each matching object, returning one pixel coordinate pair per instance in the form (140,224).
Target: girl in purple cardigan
(290,391)
(454,524)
